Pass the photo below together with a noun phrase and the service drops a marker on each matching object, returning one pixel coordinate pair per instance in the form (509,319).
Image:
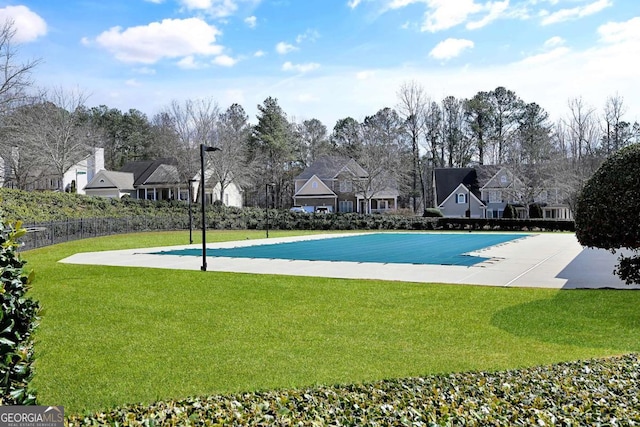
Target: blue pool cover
(398,248)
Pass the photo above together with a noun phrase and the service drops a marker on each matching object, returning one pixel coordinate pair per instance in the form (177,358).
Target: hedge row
(602,392)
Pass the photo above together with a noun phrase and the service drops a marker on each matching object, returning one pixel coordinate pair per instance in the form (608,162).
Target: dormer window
(503,179)
(314,185)
(461,198)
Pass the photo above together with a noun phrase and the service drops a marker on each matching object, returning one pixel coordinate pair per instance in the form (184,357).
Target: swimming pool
(394,248)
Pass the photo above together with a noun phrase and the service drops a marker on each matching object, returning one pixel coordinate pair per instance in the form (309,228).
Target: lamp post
(189,188)
(469,199)
(204,148)
(266,202)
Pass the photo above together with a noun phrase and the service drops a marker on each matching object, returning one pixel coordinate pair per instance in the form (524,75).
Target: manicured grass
(111,335)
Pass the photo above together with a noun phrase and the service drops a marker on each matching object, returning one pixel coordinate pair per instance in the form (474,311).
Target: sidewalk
(550,260)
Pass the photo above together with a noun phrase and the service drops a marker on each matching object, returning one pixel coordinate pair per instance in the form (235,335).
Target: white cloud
(450,48)
(225,61)
(145,70)
(311,35)
(132,83)
(283,48)
(616,32)
(251,21)
(28,24)
(217,8)
(495,11)
(554,41)
(171,38)
(550,56)
(364,75)
(189,63)
(353,3)
(576,12)
(259,53)
(301,68)
(444,14)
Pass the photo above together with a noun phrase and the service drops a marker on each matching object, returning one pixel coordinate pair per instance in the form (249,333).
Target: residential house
(110,184)
(158,180)
(457,193)
(74,179)
(487,190)
(332,184)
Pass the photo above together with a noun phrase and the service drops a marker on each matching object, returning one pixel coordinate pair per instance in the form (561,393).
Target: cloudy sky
(331,59)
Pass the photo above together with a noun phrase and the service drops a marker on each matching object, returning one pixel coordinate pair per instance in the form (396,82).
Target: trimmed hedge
(18,320)
(592,392)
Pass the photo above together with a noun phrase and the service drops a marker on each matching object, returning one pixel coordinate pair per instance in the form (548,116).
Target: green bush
(509,212)
(432,213)
(535,211)
(595,392)
(17,322)
(607,210)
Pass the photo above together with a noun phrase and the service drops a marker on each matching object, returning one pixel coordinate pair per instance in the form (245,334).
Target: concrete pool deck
(553,260)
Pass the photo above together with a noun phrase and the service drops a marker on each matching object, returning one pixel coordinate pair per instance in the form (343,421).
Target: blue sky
(331,59)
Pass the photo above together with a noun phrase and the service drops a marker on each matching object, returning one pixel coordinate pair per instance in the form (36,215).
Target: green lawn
(111,335)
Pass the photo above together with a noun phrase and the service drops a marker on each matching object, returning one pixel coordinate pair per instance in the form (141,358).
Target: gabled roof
(448,179)
(461,188)
(328,167)
(104,179)
(320,190)
(143,171)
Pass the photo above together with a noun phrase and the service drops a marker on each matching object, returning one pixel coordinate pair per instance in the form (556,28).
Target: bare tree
(15,76)
(583,131)
(382,154)
(194,122)
(412,106)
(56,130)
(234,132)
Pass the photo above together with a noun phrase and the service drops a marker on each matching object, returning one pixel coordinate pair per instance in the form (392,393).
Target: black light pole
(266,201)
(190,187)
(204,148)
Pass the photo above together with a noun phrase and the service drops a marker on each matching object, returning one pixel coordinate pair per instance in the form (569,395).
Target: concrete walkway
(553,260)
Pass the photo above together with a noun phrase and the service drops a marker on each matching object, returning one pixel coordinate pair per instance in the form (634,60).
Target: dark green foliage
(18,320)
(591,392)
(509,212)
(535,211)
(608,209)
(432,213)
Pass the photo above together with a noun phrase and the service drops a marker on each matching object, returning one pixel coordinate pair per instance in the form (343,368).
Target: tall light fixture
(204,148)
(190,190)
(266,202)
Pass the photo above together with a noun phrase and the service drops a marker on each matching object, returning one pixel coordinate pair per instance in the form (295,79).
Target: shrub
(432,213)
(535,211)
(607,209)
(509,212)
(18,321)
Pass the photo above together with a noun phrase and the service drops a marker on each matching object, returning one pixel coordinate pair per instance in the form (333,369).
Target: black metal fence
(53,232)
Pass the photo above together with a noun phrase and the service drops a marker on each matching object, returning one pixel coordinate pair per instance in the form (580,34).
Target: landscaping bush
(607,209)
(592,392)
(17,322)
(432,213)
(509,212)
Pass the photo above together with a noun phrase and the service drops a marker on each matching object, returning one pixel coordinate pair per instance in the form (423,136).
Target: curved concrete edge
(544,260)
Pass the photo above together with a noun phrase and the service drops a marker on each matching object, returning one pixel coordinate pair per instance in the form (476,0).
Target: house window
(345,206)
(346,186)
(495,196)
(503,179)
(314,185)
(461,198)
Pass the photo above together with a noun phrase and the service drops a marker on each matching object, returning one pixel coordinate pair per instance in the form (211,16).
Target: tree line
(54,129)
